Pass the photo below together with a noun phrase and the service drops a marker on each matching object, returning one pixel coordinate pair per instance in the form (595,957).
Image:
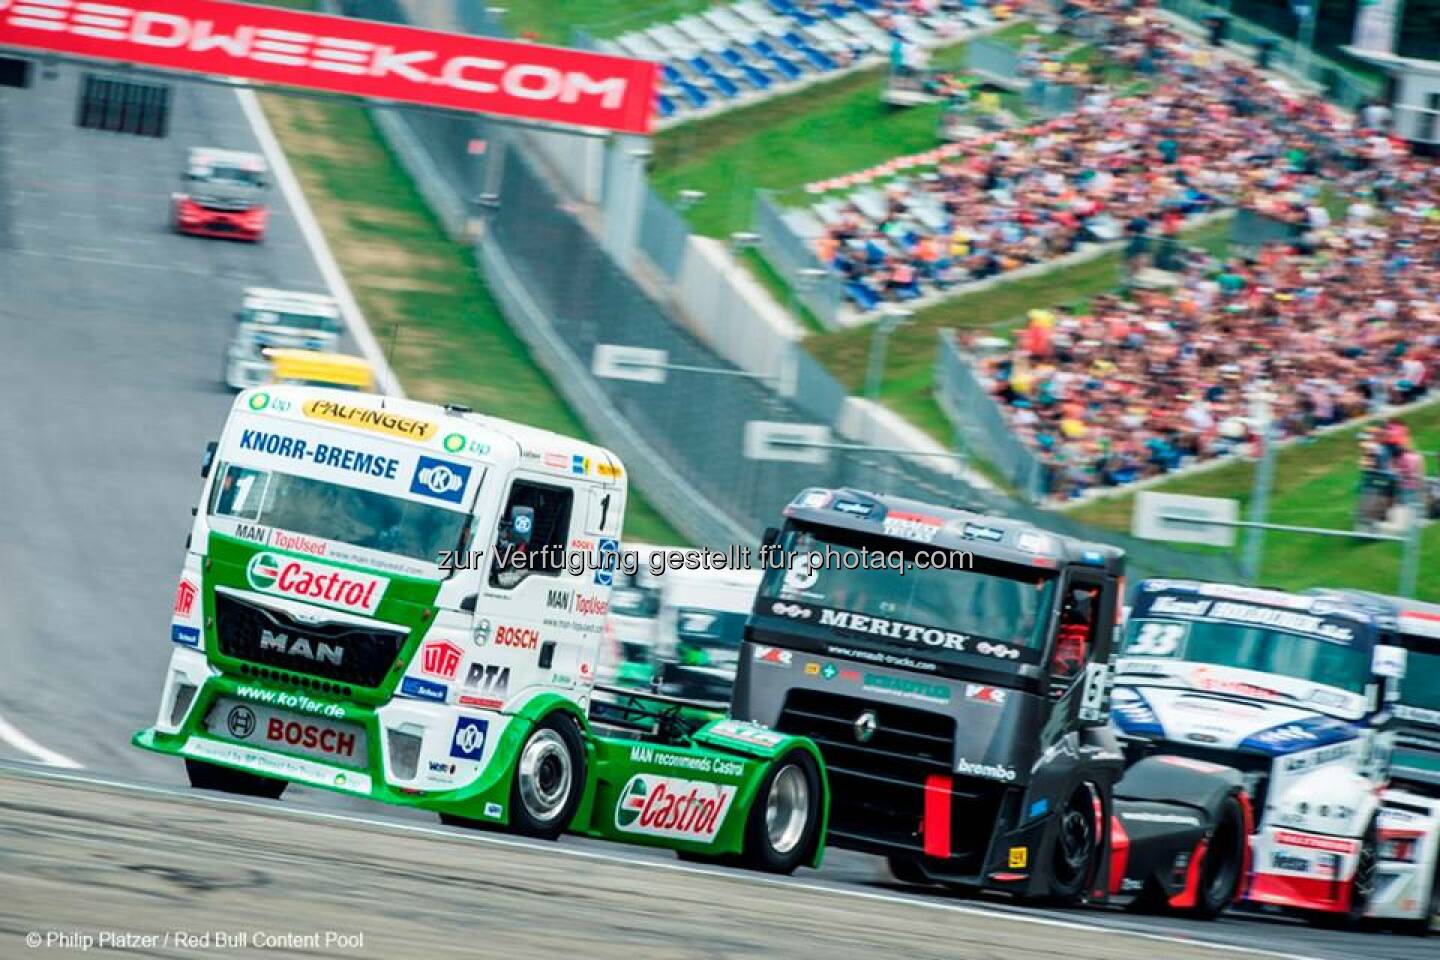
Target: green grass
(1316,484)
(831,128)
(419,290)
(552,20)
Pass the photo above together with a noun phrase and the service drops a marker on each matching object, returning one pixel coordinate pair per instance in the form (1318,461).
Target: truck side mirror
(1388,661)
(209,460)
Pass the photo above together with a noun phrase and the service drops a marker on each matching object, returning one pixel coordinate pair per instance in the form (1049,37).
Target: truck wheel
(1077,840)
(549,779)
(209,776)
(1224,856)
(908,870)
(780,833)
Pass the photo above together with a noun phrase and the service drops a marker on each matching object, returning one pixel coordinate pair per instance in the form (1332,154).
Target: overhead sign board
(1182,519)
(792,442)
(615,362)
(362,58)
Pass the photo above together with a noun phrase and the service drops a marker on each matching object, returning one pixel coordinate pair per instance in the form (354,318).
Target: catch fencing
(793,257)
(979,421)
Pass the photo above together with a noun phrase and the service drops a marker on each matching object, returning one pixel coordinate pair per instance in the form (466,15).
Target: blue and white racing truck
(1303,695)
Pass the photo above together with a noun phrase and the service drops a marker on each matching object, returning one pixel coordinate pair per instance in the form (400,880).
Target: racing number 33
(1156,640)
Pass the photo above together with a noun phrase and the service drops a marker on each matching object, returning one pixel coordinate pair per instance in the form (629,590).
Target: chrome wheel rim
(546,774)
(787,809)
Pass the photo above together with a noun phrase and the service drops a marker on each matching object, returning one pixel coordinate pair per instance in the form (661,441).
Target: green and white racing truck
(405,602)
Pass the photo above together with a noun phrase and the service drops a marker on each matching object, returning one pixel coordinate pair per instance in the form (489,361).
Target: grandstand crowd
(1339,319)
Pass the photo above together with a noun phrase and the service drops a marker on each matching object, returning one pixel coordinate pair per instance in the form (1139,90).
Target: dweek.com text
(737,557)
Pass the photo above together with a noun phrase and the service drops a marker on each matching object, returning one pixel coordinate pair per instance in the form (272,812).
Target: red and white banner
(359,57)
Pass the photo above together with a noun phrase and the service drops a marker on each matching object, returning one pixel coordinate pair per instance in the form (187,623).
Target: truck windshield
(708,637)
(1329,662)
(361,518)
(237,176)
(290,321)
(1421,686)
(973,595)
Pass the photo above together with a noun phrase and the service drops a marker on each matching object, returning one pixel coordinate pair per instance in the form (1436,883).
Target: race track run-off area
(113,331)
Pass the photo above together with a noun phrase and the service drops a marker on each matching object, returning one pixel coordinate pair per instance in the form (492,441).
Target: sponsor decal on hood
(315,582)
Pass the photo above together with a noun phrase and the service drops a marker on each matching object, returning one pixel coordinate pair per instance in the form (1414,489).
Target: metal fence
(793,258)
(994,60)
(979,421)
(663,235)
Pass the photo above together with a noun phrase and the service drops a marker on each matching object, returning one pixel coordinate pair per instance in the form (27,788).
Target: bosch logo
(1003,651)
(792,610)
(241,720)
(524,638)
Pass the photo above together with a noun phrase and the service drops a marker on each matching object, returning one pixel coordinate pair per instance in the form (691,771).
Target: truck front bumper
(413,750)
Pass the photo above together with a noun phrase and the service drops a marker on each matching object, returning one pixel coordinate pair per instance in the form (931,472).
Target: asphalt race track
(112,332)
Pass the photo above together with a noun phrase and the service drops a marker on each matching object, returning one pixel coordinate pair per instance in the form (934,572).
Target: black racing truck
(954,670)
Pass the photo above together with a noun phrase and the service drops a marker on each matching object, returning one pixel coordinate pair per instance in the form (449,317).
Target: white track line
(13,736)
(677,867)
(319,248)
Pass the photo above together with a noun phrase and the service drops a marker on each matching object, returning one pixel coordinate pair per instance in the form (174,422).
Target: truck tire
(785,820)
(209,776)
(549,779)
(1224,859)
(1075,852)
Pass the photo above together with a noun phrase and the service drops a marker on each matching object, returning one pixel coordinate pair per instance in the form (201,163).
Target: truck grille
(878,787)
(336,651)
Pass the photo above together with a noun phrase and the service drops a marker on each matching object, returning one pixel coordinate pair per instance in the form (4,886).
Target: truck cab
(223,194)
(1298,693)
(952,668)
(627,658)
(1408,884)
(367,603)
(271,319)
(700,627)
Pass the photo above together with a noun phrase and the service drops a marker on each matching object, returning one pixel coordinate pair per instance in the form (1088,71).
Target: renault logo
(865,726)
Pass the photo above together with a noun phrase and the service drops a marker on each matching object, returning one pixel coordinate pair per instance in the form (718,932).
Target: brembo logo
(361,57)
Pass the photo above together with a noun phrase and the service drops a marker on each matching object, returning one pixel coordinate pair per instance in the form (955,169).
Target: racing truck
(700,627)
(277,318)
(1304,696)
(952,667)
(1408,883)
(368,604)
(223,195)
